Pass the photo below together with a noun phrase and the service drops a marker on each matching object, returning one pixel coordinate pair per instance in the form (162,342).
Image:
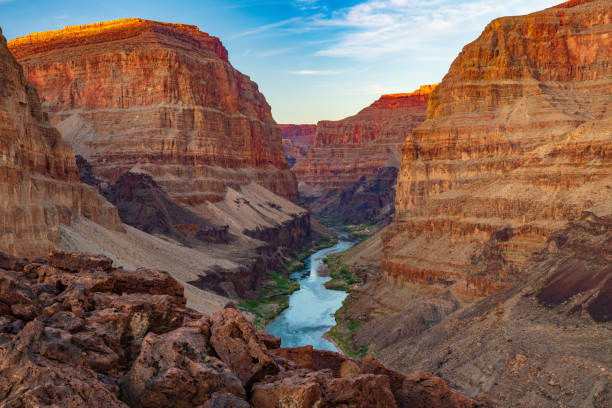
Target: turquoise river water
(311,309)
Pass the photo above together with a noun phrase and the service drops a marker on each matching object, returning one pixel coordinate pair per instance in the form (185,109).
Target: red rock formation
(297,139)
(95,337)
(161,99)
(346,151)
(299,134)
(518,138)
(39,181)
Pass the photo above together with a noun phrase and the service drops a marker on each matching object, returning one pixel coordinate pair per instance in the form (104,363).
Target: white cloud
(314,72)
(268,27)
(379,27)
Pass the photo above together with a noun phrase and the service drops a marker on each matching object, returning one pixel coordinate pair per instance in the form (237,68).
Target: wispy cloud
(314,72)
(379,27)
(268,27)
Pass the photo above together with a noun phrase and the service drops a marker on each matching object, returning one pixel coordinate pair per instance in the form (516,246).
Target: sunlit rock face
(346,151)
(517,142)
(157,98)
(297,139)
(39,181)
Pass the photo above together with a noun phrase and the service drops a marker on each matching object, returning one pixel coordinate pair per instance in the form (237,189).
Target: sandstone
(39,181)
(351,151)
(96,347)
(235,340)
(180,112)
(176,369)
(516,144)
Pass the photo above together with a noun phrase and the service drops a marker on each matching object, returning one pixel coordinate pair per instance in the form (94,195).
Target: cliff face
(158,98)
(517,142)
(345,151)
(297,139)
(39,181)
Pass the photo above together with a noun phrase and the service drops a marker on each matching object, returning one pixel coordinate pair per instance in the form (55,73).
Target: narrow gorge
(164,242)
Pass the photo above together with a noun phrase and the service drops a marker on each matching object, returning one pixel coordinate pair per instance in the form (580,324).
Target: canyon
(480,210)
(354,161)
(183,145)
(495,271)
(515,145)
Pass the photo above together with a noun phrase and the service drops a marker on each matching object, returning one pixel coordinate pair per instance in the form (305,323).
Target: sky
(312,59)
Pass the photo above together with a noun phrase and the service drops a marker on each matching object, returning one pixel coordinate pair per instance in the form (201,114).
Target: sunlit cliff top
(423,90)
(80,35)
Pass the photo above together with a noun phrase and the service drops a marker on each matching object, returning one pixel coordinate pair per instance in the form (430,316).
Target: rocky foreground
(74,331)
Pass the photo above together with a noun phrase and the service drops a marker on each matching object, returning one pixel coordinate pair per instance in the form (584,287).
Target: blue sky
(313,59)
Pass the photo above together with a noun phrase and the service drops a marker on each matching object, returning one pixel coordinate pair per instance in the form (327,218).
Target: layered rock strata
(297,139)
(157,98)
(351,150)
(77,332)
(180,141)
(517,142)
(548,337)
(39,180)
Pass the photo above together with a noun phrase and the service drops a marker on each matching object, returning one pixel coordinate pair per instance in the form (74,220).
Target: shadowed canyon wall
(354,159)
(517,142)
(163,99)
(39,180)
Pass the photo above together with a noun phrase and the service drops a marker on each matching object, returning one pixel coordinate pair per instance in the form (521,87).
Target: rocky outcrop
(157,98)
(354,150)
(142,203)
(77,332)
(517,339)
(297,139)
(39,181)
(368,200)
(517,142)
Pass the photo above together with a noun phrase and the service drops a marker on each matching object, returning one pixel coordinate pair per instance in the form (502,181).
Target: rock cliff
(157,98)
(352,150)
(77,332)
(297,139)
(181,142)
(546,342)
(39,180)
(517,142)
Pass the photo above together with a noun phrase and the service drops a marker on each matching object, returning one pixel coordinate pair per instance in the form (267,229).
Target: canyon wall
(180,141)
(39,180)
(517,142)
(352,150)
(297,139)
(157,98)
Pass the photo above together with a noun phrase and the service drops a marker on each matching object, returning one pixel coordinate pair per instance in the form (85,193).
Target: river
(311,309)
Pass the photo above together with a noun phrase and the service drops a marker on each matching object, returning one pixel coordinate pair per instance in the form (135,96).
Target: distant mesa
(350,170)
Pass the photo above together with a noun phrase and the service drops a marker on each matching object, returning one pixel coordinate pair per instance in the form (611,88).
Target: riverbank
(311,309)
(351,271)
(273,298)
